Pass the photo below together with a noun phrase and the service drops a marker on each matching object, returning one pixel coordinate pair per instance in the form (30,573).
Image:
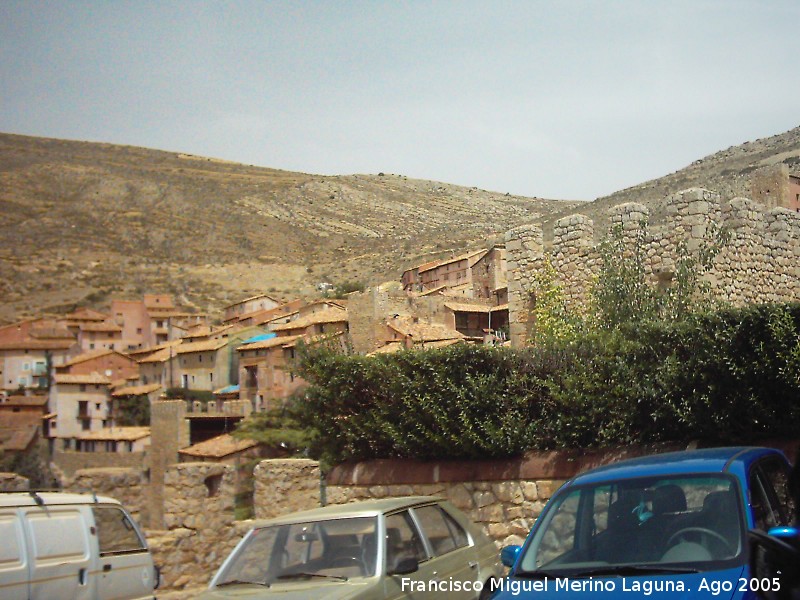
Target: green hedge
(728,377)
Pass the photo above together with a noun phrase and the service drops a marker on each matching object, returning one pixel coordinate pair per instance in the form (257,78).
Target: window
(402,540)
(86,424)
(442,531)
(116,533)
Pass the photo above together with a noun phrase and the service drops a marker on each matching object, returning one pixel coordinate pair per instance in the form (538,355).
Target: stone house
(411,332)
(323,317)
(775,187)
(237,310)
(223,449)
(273,316)
(476,321)
(489,276)
(21,422)
(265,375)
(454,273)
(157,365)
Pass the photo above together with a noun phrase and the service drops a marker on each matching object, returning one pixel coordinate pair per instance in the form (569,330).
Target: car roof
(364,508)
(706,460)
(8,499)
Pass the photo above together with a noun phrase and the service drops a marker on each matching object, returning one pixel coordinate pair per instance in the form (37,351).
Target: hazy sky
(559,99)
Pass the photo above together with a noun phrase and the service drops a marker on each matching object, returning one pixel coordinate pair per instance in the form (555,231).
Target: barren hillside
(727,172)
(84,222)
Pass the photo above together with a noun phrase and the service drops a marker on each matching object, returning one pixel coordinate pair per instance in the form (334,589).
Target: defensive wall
(759,263)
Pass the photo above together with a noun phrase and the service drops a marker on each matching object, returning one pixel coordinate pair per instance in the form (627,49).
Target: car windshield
(338,549)
(665,524)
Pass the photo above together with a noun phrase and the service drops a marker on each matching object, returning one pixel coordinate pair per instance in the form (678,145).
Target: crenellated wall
(760,262)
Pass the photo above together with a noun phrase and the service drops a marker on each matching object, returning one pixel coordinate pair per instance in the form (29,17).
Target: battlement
(760,262)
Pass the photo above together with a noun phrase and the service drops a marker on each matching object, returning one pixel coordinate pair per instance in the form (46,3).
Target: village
(70,383)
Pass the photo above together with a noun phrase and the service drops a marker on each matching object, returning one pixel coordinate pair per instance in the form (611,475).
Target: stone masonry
(760,262)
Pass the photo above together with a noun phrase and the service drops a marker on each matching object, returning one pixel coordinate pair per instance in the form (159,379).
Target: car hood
(665,587)
(296,590)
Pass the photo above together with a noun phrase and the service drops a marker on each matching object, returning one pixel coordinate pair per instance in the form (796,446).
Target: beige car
(415,547)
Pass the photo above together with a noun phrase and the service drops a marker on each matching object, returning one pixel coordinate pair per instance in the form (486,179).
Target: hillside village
(67,380)
(81,387)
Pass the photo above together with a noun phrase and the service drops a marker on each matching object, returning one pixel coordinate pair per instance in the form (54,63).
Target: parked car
(73,546)
(671,525)
(415,547)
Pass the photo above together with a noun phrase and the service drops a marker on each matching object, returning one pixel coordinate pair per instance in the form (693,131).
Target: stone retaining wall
(11,482)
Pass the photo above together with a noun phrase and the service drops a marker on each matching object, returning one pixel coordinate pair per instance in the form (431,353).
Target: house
(21,422)
(265,375)
(273,316)
(29,349)
(114,440)
(151,321)
(476,321)
(237,310)
(224,449)
(157,365)
(318,318)
(411,332)
(113,364)
(489,276)
(455,272)
(80,404)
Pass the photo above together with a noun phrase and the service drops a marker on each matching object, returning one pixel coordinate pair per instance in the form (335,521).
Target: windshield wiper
(623,570)
(242,582)
(300,575)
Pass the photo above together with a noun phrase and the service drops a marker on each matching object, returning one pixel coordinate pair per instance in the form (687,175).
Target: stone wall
(760,263)
(11,482)
(126,485)
(285,485)
(69,462)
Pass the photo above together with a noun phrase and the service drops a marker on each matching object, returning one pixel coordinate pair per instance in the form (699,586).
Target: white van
(73,546)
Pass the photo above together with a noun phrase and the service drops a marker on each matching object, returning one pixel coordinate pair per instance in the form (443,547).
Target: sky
(563,99)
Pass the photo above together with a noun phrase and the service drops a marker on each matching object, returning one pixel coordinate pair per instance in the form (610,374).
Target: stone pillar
(524,253)
(169,432)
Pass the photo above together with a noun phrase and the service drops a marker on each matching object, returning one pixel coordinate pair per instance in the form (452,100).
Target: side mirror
(404,566)
(787,534)
(509,554)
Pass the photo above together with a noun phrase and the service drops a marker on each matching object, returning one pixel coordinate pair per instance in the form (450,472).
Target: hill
(727,172)
(84,222)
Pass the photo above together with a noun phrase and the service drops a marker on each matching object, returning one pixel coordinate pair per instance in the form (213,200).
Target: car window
(441,530)
(776,479)
(402,540)
(115,531)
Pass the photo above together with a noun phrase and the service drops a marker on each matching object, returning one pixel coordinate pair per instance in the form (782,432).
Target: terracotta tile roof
(325,316)
(91,379)
(60,344)
(159,356)
(101,327)
(18,430)
(251,299)
(463,307)
(313,339)
(86,314)
(25,401)
(208,333)
(118,434)
(270,343)
(389,348)
(87,356)
(152,349)
(469,256)
(423,332)
(204,346)
(218,447)
(136,390)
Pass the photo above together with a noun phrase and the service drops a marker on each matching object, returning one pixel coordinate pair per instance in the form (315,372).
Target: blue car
(667,526)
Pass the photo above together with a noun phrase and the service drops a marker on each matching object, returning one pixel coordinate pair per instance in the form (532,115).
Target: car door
(13,561)
(770,499)
(453,559)
(403,540)
(126,566)
(60,554)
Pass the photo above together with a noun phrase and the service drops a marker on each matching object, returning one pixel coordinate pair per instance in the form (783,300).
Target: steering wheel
(703,532)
